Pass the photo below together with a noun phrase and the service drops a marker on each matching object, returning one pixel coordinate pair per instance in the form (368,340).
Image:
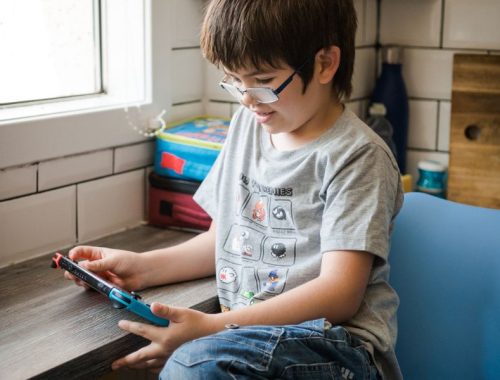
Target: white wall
(432,31)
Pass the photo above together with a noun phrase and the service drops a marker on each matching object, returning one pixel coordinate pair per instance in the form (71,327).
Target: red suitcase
(171,204)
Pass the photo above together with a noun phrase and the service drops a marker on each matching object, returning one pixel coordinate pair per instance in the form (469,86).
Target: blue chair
(445,266)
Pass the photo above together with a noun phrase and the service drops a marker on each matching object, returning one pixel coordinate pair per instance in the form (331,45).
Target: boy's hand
(121,268)
(185,325)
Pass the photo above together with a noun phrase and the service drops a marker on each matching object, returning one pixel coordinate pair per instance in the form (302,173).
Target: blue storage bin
(188,149)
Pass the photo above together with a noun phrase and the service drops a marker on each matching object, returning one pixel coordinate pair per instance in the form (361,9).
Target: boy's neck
(311,130)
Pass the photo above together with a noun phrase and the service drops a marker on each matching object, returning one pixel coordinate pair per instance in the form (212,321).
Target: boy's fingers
(146,331)
(79,282)
(97,265)
(136,359)
(85,252)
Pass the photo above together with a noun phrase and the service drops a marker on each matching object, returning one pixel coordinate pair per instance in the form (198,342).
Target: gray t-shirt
(277,212)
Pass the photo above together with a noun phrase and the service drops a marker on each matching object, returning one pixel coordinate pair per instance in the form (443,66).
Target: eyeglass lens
(260,94)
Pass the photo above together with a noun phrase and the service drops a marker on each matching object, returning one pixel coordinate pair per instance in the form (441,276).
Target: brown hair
(239,33)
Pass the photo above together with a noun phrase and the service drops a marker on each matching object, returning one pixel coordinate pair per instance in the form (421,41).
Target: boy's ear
(327,63)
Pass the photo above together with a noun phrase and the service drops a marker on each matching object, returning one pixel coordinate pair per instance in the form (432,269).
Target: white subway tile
(187,18)
(359,107)
(428,73)
(187,75)
(184,111)
(414,23)
(219,109)
(110,204)
(212,89)
(363,79)
(413,157)
(444,126)
(134,156)
(472,24)
(37,224)
(359,5)
(147,186)
(17,181)
(73,169)
(356,107)
(370,37)
(423,124)
(366,34)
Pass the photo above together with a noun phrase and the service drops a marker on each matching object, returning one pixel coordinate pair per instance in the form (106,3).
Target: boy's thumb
(165,311)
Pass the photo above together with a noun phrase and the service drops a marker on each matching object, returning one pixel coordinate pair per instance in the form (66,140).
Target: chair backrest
(445,266)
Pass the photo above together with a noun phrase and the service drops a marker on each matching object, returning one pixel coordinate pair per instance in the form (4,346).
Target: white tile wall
(444,126)
(146,198)
(18,181)
(187,81)
(37,224)
(367,22)
(134,156)
(212,89)
(359,5)
(472,24)
(427,73)
(363,79)
(409,22)
(67,170)
(187,18)
(423,121)
(184,111)
(110,204)
(359,107)
(370,25)
(219,109)
(432,31)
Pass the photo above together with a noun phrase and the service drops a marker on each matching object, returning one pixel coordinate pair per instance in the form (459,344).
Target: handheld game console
(120,298)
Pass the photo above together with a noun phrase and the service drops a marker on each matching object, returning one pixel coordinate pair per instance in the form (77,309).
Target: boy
(302,199)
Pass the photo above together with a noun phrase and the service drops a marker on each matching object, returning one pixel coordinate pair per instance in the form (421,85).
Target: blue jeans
(305,351)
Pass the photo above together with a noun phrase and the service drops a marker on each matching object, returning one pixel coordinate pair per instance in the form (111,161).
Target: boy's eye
(264,80)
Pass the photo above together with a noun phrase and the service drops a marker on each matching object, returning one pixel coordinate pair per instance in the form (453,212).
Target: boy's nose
(247,100)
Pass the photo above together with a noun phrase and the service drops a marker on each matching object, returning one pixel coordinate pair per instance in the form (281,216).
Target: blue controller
(120,298)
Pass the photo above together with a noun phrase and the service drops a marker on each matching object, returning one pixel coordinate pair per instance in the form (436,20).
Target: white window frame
(99,121)
(125,75)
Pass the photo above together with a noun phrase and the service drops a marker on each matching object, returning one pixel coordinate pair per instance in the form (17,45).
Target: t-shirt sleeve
(361,201)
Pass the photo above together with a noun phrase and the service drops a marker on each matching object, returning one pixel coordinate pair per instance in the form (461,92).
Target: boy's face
(294,111)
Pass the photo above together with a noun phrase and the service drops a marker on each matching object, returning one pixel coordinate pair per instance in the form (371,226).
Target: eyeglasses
(263,95)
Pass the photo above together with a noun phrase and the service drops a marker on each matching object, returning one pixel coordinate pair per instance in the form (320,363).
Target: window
(72,56)
(53,49)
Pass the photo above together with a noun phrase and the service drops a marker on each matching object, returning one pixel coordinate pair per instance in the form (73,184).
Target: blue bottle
(390,90)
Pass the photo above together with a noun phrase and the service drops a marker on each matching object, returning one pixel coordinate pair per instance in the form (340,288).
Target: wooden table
(52,329)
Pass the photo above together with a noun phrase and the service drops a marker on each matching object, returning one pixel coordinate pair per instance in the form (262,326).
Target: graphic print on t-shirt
(233,276)
(244,241)
(273,280)
(256,210)
(259,246)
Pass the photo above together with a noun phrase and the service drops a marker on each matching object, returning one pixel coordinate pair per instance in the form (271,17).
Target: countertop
(52,329)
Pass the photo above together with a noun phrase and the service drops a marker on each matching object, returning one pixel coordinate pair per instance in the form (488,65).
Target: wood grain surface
(474,170)
(52,329)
